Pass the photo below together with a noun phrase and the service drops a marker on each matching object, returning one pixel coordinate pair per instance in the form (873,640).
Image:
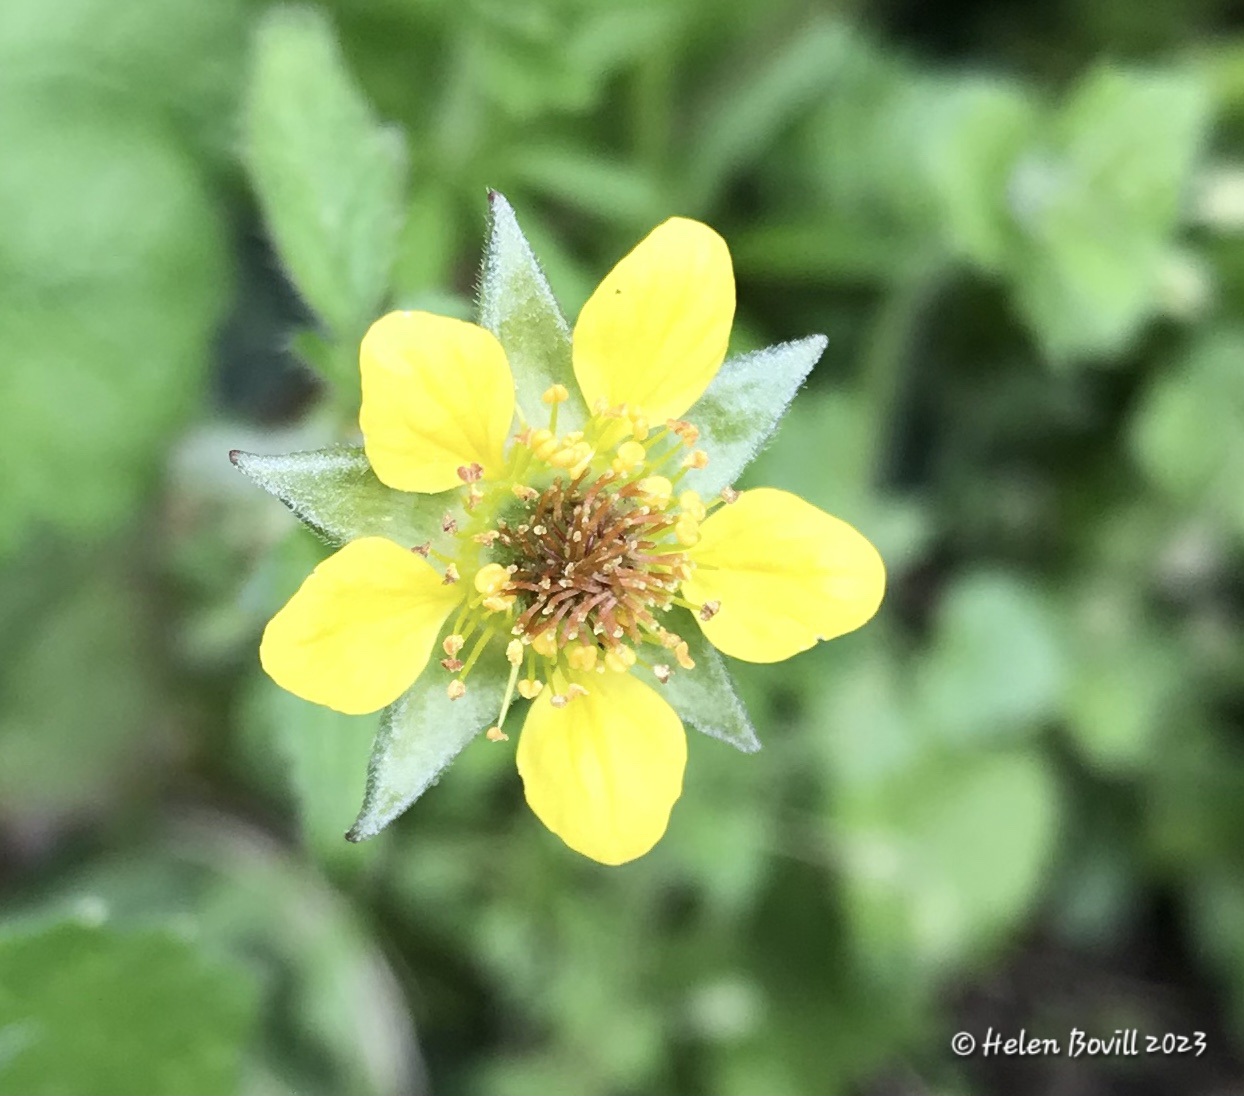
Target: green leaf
(743,405)
(112,281)
(1188,434)
(93,1009)
(940,866)
(1125,681)
(517,305)
(1098,205)
(63,749)
(329,178)
(758,105)
(420,734)
(325,755)
(968,136)
(705,697)
(335,492)
(184,67)
(996,666)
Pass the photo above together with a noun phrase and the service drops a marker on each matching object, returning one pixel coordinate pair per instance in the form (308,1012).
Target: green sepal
(335,492)
(517,305)
(704,697)
(420,734)
(741,408)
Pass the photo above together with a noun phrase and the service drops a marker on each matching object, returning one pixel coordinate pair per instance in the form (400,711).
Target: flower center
(575,552)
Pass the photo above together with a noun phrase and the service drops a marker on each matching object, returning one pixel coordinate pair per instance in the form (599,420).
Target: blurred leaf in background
(1014,802)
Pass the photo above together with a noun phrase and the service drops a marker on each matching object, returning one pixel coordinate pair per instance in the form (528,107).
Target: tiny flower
(580,549)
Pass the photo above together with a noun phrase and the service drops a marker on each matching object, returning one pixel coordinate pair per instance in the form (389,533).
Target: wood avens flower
(586,541)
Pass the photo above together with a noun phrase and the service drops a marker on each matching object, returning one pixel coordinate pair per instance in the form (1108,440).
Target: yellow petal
(359,630)
(437,395)
(604,772)
(655,331)
(786,575)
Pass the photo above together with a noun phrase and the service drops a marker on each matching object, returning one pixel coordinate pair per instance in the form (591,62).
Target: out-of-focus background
(1014,801)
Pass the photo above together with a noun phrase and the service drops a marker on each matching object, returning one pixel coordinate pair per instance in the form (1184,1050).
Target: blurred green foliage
(1024,237)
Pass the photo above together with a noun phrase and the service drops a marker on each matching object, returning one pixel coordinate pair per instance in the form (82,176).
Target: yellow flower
(572,547)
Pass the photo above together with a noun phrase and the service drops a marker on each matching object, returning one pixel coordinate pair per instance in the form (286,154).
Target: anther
(496,734)
(514,652)
(453,665)
(630,454)
(559,701)
(448,524)
(451,575)
(555,393)
(498,603)
(709,610)
(620,659)
(582,657)
(729,495)
(453,644)
(661,672)
(697,458)
(683,653)
(491,578)
(471,473)
(529,690)
(544,643)
(657,489)
(688,433)
(693,505)
(524,493)
(456,690)
(422,549)
(575,690)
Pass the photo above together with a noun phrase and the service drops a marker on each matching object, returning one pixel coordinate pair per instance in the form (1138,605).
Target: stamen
(456,691)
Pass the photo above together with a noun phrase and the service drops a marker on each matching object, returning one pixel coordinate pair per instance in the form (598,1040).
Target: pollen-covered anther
(630,454)
(453,665)
(514,652)
(555,393)
(524,494)
(498,603)
(529,689)
(558,700)
(661,672)
(452,644)
(471,473)
(491,578)
(543,444)
(709,610)
(683,654)
(451,575)
(574,690)
(487,539)
(657,491)
(686,432)
(474,496)
(448,524)
(620,659)
(582,657)
(456,691)
(687,530)
(697,458)
(423,549)
(496,734)
(690,503)
(729,495)
(545,643)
